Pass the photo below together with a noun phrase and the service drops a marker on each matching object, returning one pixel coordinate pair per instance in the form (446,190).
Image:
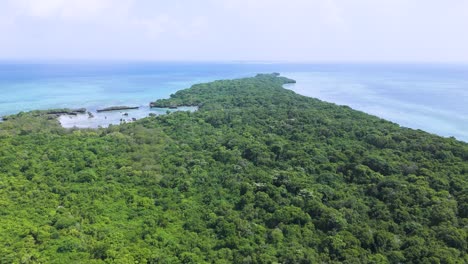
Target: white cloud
(40,9)
(154,27)
(238,29)
(67,9)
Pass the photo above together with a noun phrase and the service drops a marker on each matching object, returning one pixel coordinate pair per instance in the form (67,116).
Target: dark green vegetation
(50,114)
(117,108)
(258,174)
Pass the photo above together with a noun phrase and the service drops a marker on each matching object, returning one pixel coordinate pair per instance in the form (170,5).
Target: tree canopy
(258,174)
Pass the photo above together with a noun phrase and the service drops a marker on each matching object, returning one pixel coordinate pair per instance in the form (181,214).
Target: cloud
(154,27)
(66,9)
(305,30)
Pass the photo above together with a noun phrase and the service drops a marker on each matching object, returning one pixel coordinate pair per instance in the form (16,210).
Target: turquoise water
(104,119)
(429,97)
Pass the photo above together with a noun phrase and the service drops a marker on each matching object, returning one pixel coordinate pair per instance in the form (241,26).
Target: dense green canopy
(258,174)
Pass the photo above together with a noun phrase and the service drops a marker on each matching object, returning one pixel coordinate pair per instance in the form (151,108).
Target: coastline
(103,116)
(399,93)
(115,117)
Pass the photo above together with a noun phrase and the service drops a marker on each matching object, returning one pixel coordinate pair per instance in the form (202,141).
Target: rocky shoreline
(83,118)
(159,105)
(51,114)
(164,104)
(117,108)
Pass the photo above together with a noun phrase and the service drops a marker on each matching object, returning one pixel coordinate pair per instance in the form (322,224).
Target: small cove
(104,119)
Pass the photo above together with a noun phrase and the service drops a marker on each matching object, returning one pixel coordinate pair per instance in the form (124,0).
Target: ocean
(431,97)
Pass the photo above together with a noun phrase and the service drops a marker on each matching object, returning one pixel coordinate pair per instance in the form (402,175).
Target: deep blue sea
(431,97)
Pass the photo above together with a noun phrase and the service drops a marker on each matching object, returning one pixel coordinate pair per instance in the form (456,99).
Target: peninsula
(258,174)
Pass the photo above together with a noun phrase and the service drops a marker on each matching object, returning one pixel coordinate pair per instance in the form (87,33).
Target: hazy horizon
(301,31)
(336,62)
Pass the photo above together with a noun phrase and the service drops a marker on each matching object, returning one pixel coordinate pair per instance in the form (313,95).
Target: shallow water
(104,119)
(429,97)
(433,100)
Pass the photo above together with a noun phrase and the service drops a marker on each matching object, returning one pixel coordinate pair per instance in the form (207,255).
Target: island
(258,174)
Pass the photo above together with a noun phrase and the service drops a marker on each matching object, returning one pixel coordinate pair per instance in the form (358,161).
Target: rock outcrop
(117,108)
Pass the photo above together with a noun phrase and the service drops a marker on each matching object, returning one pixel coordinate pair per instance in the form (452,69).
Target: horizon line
(117,60)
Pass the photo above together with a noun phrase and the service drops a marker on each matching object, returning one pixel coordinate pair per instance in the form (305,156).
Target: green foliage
(258,174)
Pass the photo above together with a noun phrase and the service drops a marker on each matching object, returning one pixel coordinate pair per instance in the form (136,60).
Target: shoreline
(409,122)
(92,119)
(81,120)
(95,119)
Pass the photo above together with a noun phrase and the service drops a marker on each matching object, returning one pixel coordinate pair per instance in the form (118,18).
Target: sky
(235,30)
